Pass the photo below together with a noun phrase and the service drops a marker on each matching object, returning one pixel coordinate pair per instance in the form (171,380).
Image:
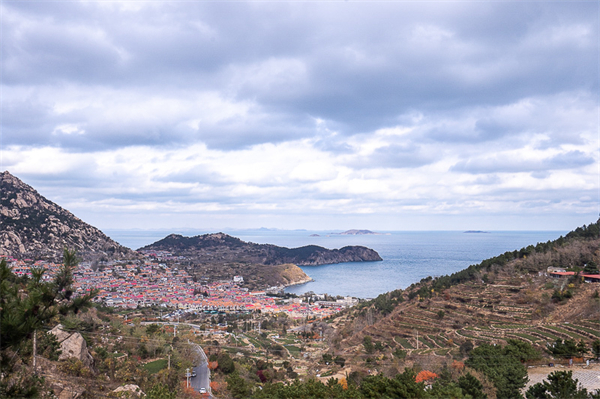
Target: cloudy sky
(317,115)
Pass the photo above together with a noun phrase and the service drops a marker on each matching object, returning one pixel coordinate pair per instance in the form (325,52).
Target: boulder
(72,345)
(128,391)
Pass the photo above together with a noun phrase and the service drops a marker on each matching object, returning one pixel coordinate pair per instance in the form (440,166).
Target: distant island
(476,232)
(358,233)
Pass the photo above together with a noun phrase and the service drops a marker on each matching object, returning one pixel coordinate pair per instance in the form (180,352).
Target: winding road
(202,379)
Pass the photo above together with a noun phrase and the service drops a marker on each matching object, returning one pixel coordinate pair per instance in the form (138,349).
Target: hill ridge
(33,226)
(223,247)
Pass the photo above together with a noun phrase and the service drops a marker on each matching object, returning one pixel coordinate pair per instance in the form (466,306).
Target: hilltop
(209,248)
(35,227)
(221,256)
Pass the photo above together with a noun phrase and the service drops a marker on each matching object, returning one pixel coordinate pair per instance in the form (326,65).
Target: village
(129,286)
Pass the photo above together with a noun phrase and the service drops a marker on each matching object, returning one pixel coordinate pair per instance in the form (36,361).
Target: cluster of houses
(130,286)
(558,272)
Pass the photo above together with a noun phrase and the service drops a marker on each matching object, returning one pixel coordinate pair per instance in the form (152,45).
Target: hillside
(220,247)
(35,227)
(511,296)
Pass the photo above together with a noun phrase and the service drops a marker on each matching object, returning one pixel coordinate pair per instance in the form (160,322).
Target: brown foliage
(456,365)
(426,376)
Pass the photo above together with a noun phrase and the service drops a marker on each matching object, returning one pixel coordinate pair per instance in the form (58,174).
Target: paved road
(202,380)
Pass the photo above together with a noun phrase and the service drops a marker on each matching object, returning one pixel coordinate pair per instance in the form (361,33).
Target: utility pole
(34,351)
(187,376)
(169,364)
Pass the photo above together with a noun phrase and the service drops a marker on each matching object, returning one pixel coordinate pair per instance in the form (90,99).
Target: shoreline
(303,281)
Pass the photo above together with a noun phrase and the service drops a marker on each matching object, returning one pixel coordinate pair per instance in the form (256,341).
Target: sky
(381,115)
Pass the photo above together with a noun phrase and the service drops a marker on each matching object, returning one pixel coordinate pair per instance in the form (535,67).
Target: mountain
(511,296)
(32,226)
(220,248)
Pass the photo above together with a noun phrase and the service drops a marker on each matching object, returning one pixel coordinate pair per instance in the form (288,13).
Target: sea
(408,256)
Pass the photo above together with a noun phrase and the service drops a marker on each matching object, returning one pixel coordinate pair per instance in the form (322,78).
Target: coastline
(300,282)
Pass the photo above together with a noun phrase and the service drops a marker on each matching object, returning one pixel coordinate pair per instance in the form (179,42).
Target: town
(126,285)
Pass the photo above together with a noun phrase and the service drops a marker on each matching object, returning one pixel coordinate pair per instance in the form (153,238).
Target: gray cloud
(408,155)
(472,86)
(335,61)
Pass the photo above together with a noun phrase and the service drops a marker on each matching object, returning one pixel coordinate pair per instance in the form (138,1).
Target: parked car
(194,373)
(202,390)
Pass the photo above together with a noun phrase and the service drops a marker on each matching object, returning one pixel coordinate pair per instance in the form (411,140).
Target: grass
(294,351)
(235,341)
(510,326)
(438,340)
(233,351)
(404,342)
(526,336)
(569,333)
(586,329)
(546,334)
(462,332)
(156,366)
(288,341)
(426,343)
(255,342)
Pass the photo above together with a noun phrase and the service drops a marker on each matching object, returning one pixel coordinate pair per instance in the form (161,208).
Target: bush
(75,368)
(368,344)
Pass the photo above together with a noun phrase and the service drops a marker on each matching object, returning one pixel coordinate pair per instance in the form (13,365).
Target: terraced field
(511,308)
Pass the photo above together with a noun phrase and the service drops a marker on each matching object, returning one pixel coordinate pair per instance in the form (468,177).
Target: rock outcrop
(72,345)
(128,391)
(31,226)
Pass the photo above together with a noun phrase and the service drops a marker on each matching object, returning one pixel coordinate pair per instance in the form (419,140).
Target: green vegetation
(404,342)
(503,365)
(387,302)
(567,348)
(474,271)
(29,305)
(156,366)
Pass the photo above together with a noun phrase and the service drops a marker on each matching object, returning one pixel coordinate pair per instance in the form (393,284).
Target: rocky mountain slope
(511,296)
(220,247)
(32,226)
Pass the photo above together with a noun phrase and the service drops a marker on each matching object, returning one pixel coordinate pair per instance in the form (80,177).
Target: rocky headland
(209,248)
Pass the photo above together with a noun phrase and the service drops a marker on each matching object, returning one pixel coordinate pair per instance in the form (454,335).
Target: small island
(359,233)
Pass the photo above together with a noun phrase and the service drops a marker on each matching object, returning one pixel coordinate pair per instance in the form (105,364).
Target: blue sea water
(408,256)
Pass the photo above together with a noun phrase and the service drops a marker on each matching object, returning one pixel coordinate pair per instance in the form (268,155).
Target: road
(202,380)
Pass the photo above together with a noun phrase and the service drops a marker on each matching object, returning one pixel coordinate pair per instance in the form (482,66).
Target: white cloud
(302,113)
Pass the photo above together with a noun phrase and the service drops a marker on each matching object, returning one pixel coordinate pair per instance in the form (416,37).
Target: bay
(408,256)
